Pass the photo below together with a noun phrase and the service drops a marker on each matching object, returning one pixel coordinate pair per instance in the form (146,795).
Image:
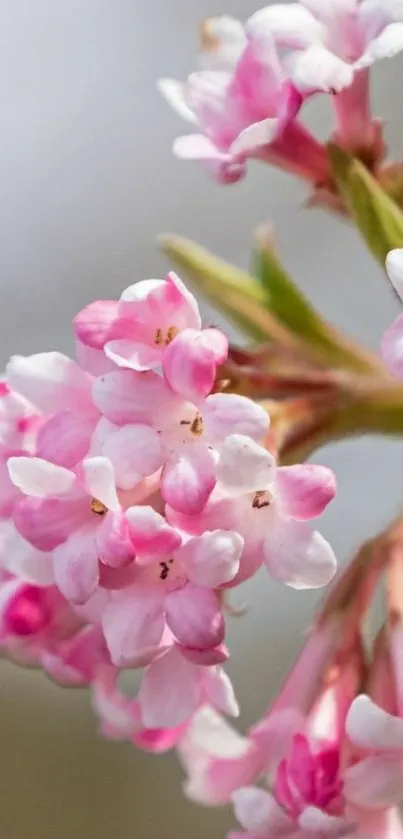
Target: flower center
(98,507)
(261,499)
(165,337)
(195,425)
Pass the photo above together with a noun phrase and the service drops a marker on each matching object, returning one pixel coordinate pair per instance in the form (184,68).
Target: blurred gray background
(87,181)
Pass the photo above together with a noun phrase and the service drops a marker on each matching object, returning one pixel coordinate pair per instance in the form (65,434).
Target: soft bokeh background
(87,181)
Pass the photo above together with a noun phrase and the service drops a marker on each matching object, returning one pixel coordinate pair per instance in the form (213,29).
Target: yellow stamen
(98,507)
(197,425)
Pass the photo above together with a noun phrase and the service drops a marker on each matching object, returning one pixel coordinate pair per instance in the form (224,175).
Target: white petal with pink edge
(290,25)
(152,537)
(225,413)
(375,782)
(257,811)
(297,556)
(39,478)
(99,481)
(219,691)
(370,727)
(394,269)
(212,558)
(51,381)
(135,451)
(244,466)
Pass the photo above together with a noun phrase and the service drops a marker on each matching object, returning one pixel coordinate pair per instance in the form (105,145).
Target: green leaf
(232,291)
(378,218)
(290,306)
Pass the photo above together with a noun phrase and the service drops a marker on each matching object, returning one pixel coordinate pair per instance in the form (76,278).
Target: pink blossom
(333,43)
(158,429)
(243,106)
(392,342)
(171,691)
(78,517)
(61,392)
(268,506)
(156,322)
(176,591)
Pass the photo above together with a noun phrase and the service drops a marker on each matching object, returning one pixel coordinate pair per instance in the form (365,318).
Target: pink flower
(171,692)
(78,517)
(176,591)
(156,322)
(392,342)
(244,108)
(159,429)
(268,506)
(61,392)
(333,43)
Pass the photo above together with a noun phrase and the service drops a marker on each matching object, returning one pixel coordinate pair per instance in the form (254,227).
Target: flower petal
(92,325)
(392,347)
(191,359)
(375,782)
(317,821)
(290,25)
(219,691)
(133,622)
(65,438)
(388,44)
(46,523)
(213,558)
(76,567)
(173,91)
(244,466)
(152,537)
(133,355)
(170,691)
(255,135)
(113,541)
(296,555)
(126,396)
(370,727)
(217,758)
(99,481)
(193,615)
(188,480)
(23,560)
(51,381)
(225,413)
(39,478)
(394,268)
(257,811)
(305,489)
(135,452)
(319,69)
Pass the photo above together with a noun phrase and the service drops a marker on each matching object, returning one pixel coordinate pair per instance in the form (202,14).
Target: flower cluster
(134,493)
(246,97)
